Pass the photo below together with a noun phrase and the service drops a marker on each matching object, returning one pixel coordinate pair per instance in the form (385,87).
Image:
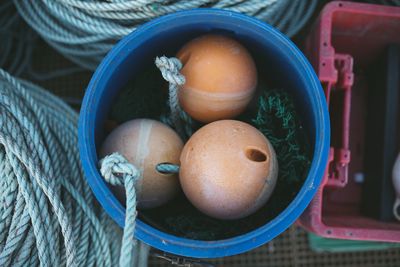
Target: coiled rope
(48,215)
(84,31)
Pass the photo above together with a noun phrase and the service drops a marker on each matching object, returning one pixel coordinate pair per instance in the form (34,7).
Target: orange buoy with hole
(228,169)
(146,143)
(221,78)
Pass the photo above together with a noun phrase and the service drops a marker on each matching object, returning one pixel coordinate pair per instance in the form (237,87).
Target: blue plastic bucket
(282,60)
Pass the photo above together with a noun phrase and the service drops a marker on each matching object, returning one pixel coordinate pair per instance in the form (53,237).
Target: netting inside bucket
(273,113)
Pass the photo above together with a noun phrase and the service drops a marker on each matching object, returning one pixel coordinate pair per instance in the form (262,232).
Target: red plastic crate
(346,38)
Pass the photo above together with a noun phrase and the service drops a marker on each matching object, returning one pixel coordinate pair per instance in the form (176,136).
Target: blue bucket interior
(278,61)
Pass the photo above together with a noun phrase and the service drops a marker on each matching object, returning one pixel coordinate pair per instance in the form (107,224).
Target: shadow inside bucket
(144,95)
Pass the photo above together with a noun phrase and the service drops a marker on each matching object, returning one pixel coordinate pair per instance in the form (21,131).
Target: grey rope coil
(48,214)
(84,31)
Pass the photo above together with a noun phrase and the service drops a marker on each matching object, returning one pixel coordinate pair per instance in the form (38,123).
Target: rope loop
(116,169)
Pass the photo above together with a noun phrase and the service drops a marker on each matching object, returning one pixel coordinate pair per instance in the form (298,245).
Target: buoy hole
(256,155)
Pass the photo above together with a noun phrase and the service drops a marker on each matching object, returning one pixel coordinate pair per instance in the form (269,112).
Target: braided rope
(117,171)
(48,215)
(170,68)
(84,31)
(167,168)
(180,120)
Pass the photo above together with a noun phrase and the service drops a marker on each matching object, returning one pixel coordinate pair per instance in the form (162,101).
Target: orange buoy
(228,169)
(146,143)
(221,78)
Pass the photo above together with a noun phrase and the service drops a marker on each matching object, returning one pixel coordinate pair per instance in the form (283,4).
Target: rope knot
(170,68)
(115,169)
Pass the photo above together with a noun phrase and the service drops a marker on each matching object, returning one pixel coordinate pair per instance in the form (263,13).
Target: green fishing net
(278,121)
(273,113)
